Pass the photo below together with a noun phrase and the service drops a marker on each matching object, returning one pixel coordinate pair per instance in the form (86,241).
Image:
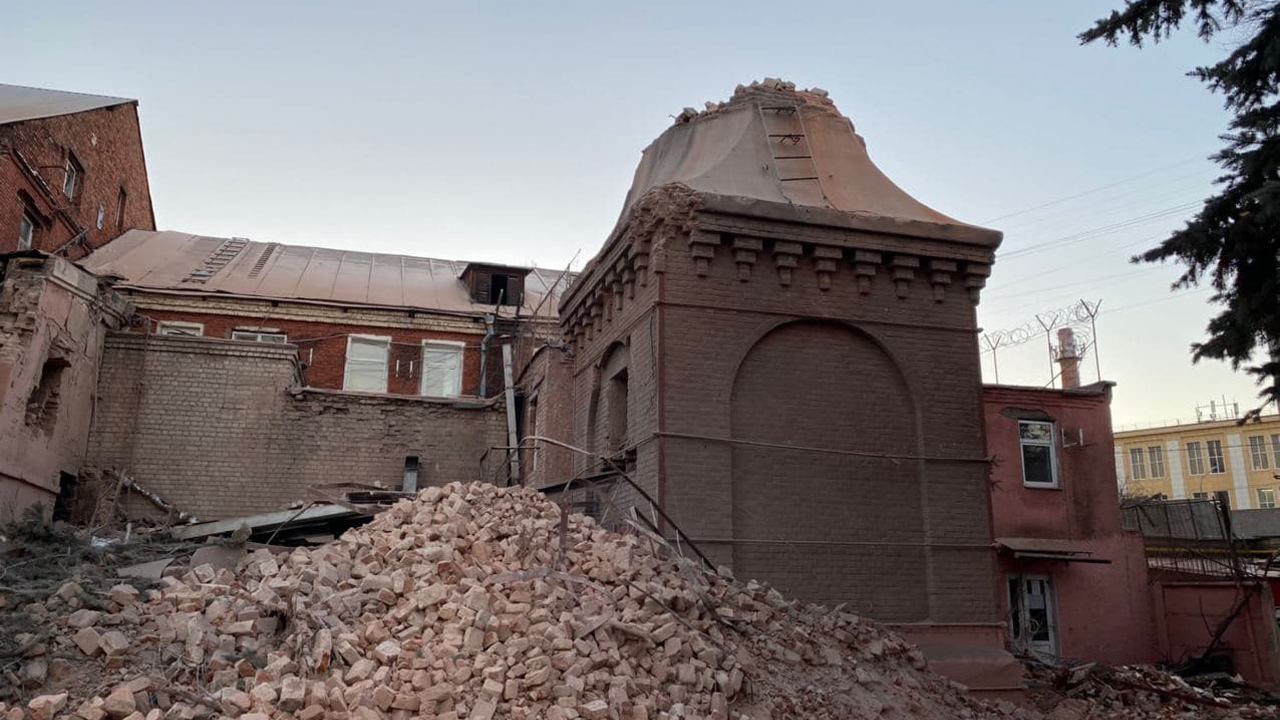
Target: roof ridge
(72,92)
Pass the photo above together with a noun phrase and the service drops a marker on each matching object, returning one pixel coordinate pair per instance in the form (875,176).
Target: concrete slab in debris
(256,522)
(218,556)
(151,570)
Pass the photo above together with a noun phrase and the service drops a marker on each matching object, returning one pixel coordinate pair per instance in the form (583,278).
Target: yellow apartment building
(1236,464)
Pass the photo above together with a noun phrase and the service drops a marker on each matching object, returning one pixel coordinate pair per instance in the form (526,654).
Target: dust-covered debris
(461,604)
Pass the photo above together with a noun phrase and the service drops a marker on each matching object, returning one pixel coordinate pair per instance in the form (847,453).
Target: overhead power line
(1098,231)
(1108,186)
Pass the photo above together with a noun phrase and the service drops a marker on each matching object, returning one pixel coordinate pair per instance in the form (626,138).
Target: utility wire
(1096,232)
(1100,188)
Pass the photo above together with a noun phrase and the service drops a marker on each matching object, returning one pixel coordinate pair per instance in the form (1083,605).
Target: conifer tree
(1233,243)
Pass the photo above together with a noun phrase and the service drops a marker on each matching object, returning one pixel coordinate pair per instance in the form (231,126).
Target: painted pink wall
(1188,612)
(1105,612)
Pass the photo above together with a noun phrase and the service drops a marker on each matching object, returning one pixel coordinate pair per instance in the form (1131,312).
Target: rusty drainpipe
(484,354)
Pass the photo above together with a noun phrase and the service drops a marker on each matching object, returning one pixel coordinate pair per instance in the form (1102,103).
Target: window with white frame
(1155,458)
(72,173)
(1275,449)
(1137,467)
(441,368)
(278,338)
(1039,456)
(1217,466)
(1258,452)
(1266,498)
(174,327)
(1195,459)
(26,231)
(367,359)
(1200,495)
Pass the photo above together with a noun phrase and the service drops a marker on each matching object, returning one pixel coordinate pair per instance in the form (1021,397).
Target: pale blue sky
(510,131)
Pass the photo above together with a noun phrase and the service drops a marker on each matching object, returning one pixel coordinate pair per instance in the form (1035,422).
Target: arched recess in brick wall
(609,419)
(827,527)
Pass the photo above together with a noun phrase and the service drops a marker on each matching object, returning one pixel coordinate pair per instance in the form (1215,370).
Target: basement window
(182,329)
(441,368)
(42,405)
(262,337)
(367,359)
(1039,456)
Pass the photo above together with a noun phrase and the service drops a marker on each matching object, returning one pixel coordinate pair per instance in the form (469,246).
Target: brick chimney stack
(1068,358)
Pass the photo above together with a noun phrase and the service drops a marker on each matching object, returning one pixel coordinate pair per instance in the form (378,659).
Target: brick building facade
(53,316)
(361,321)
(72,172)
(221,428)
(759,342)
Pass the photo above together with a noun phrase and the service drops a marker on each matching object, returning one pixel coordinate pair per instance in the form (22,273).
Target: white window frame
(1258,452)
(1053,453)
(184,329)
(1200,496)
(73,172)
(1155,461)
(1222,459)
(1195,458)
(385,340)
(1137,463)
(257,335)
(1270,501)
(26,231)
(462,358)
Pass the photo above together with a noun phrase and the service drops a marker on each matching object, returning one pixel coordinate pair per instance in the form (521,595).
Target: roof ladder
(792,156)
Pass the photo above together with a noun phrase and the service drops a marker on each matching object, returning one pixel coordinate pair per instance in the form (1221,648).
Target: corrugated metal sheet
(18,103)
(181,262)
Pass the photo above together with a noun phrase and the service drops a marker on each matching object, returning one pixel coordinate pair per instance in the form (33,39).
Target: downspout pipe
(484,355)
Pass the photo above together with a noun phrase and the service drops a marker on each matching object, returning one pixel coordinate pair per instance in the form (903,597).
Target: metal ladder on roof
(792,156)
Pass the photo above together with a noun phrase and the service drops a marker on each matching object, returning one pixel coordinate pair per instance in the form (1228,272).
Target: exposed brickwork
(52,319)
(729,343)
(212,426)
(322,346)
(107,142)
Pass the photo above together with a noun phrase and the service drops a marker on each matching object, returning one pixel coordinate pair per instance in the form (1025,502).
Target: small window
(102,216)
(26,231)
(1155,456)
(1258,452)
(187,329)
(262,337)
(441,368)
(1223,497)
(1275,449)
(1137,465)
(1195,459)
(1200,495)
(1266,498)
(367,360)
(1039,456)
(121,201)
(1216,464)
(73,174)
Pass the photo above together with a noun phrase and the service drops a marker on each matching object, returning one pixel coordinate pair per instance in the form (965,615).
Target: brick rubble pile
(467,603)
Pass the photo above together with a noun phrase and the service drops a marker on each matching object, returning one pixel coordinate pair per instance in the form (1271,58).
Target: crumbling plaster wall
(52,320)
(220,428)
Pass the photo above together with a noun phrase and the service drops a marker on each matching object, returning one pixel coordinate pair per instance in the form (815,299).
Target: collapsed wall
(222,428)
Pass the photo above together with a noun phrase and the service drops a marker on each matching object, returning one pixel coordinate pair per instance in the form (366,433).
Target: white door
(1033,614)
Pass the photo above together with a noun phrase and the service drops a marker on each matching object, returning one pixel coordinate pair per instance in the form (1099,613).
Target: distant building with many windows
(1238,465)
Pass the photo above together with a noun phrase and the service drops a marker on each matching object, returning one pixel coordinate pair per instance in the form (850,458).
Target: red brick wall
(17,190)
(717,359)
(323,346)
(108,144)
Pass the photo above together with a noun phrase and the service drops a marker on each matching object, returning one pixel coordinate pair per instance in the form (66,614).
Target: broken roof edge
(1097,388)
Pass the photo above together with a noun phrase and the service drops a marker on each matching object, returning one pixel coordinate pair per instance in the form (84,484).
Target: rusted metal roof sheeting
(181,262)
(18,103)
